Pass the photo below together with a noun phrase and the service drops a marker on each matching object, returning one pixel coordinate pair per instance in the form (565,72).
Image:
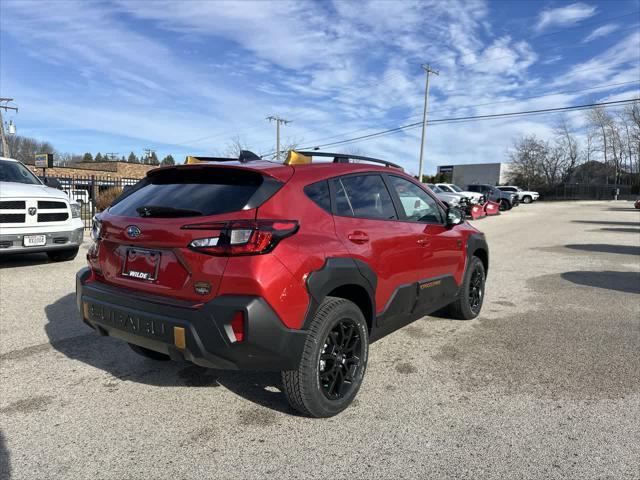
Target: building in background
(477,173)
(116,170)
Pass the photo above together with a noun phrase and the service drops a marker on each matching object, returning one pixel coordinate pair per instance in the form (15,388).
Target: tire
(527,199)
(504,205)
(145,352)
(338,336)
(63,255)
(464,308)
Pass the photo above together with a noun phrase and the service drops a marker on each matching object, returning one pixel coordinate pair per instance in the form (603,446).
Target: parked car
(506,200)
(34,217)
(450,199)
(637,203)
(80,195)
(525,196)
(292,267)
(474,197)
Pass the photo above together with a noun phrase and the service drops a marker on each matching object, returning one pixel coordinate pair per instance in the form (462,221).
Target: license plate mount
(141,264)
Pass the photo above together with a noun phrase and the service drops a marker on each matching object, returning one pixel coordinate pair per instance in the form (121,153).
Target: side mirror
(53,183)
(454,217)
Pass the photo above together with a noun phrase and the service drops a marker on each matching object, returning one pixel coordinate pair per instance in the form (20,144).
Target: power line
(515,100)
(472,117)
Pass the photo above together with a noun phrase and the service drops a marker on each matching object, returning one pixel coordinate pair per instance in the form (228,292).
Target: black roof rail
(345,157)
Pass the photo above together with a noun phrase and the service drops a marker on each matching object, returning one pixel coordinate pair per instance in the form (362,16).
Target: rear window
(189,193)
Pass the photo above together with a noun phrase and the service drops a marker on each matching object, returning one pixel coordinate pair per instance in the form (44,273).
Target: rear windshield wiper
(166,212)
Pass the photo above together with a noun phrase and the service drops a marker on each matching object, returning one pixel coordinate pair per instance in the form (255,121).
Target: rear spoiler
(245,156)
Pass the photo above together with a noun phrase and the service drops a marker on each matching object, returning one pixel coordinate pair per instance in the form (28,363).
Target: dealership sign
(44,160)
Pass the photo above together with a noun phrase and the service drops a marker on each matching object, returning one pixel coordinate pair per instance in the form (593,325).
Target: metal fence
(585,191)
(88,190)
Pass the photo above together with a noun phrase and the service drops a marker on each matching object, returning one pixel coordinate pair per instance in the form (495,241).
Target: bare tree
(600,122)
(526,159)
(568,144)
(234,146)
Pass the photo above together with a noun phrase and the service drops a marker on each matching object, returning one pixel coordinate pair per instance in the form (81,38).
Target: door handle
(424,242)
(358,237)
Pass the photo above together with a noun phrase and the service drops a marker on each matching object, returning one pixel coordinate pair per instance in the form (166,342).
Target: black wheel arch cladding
(341,272)
(477,246)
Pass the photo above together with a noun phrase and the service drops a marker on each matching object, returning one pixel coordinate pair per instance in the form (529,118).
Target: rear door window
(364,196)
(189,193)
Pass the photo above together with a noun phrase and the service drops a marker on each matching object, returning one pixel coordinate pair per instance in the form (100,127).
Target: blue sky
(186,77)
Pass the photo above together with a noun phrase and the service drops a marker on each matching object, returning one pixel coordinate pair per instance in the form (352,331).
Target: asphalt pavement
(544,384)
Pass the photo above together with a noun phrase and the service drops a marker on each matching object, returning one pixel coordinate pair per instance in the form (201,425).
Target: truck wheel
(469,302)
(333,361)
(152,354)
(527,199)
(63,255)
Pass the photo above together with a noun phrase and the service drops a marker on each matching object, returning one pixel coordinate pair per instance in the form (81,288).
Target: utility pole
(111,156)
(5,143)
(429,70)
(148,152)
(278,121)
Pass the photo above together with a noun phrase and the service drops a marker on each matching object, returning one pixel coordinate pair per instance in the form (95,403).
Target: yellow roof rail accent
(190,159)
(295,158)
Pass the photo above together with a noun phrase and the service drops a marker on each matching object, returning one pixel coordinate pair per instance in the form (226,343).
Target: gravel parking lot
(544,384)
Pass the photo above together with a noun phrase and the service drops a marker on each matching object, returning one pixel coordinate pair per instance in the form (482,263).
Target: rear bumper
(145,321)
(56,240)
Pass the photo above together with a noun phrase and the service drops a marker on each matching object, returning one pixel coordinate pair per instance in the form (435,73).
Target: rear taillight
(241,237)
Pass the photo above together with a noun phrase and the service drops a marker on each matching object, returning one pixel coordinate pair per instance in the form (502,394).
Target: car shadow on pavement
(5,464)
(115,357)
(606,222)
(606,248)
(13,261)
(622,209)
(628,282)
(620,230)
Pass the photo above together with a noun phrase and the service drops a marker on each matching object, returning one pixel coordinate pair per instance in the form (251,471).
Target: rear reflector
(237,325)
(179,339)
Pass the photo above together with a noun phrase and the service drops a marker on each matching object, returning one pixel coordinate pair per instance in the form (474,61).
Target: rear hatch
(165,235)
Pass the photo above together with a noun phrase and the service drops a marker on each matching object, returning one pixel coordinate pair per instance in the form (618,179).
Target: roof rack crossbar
(345,157)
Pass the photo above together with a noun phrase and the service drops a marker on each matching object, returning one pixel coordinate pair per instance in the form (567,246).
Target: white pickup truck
(34,217)
(525,196)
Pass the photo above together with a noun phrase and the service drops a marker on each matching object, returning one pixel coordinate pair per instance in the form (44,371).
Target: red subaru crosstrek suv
(293,267)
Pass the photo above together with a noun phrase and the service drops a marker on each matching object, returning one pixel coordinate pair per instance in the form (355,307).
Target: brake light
(241,237)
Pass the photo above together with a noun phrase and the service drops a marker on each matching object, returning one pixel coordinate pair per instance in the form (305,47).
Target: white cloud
(563,16)
(600,32)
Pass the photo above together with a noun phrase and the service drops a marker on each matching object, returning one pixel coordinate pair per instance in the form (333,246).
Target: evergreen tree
(132,158)
(153,159)
(98,158)
(87,157)
(168,160)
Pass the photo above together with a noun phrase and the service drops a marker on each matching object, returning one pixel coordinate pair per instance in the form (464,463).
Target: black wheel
(469,302)
(527,199)
(63,255)
(333,361)
(152,354)
(504,205)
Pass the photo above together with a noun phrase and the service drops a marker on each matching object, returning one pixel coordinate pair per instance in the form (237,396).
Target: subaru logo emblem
(32,211)
(133,231)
